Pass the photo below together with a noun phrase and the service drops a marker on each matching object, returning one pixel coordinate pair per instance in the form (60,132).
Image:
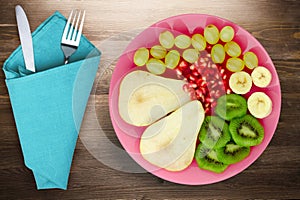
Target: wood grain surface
(274,175)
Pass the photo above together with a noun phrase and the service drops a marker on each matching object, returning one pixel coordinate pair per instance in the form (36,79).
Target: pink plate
(129,135)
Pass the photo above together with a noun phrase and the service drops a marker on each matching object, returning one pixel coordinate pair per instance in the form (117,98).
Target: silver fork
(71,36)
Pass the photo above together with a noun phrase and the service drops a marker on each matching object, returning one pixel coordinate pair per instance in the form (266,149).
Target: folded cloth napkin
(49,105)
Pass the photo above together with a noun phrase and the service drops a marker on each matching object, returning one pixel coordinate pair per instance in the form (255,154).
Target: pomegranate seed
(192,67)
(195,73)
(193,85)
(214,85)
(222,71)
(178,71)
(186,87)
(213,104)
(203,90)
(191,77)
(203,84)
(224,77)
(228,91)
(210,100)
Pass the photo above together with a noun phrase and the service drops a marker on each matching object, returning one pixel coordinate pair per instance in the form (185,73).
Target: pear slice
(170,142)
(144,98)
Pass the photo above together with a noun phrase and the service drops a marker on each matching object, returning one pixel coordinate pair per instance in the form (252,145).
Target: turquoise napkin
(49,105)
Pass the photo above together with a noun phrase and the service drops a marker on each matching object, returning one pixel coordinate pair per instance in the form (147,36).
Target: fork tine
(76,27)
(72,26)
(67,27)
(80,29)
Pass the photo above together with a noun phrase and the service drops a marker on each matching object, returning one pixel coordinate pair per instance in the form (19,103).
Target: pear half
(144,98)
(170,142)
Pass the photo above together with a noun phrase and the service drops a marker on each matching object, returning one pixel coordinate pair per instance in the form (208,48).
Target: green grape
(250,59)
(211,34)
(158,52)
(156,66)
(198,42)
(172,59)
(218,53)
(233,49)
(183,41)
(235,64)
(166,39)
(141,56)
(227,33)
(190,55)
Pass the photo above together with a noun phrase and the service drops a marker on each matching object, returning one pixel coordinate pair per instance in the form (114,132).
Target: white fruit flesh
(144,98)
(170,142)
(259,105)
(261,77)
(240,82)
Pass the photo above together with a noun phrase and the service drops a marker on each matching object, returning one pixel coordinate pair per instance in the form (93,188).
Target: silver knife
(25,38)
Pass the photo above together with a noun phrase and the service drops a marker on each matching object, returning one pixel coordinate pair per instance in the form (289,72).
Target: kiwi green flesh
(231,106)
(232,153)
(214,132)
(207,159)
(246,131)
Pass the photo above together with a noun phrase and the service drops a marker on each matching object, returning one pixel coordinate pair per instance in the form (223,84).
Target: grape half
(155,66)
(190,55)
(218,53)
(182,41)
(211,34)
(227,33)
(233,49)
(141,56)
(158,51)
(198,42)
(166,39)
(235,64)
(250,59)
(172,59)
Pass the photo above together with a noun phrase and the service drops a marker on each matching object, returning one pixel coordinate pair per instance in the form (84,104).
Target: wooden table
(276,24)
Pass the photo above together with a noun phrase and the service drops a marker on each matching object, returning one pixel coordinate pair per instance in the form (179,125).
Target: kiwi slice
(214,132)
(230,106)
(207,159)
(246,131)
(232,153)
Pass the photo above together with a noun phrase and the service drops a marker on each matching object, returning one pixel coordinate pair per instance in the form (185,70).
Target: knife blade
(25,38)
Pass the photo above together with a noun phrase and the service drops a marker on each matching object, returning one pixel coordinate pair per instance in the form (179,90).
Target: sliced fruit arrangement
(228,144)
(222,81)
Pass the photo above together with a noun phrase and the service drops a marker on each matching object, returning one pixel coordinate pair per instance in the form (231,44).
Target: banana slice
(240,82)
(261,77)
(259,105)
